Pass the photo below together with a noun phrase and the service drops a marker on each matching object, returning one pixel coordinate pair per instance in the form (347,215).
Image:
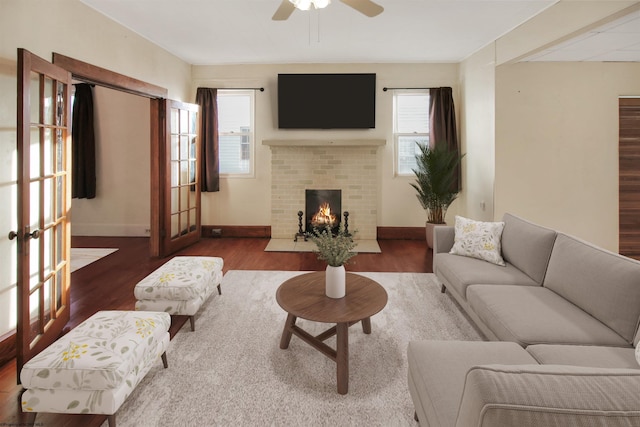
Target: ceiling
(206,32)
(618,40)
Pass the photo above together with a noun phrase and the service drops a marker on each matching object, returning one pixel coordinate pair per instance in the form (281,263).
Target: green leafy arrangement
(336,249)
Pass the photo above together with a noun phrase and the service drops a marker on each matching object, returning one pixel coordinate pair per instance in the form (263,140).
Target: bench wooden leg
(415,416)
(219,290)
(28,418)
(164,360)
(192,319)
(443,289)
(112,420)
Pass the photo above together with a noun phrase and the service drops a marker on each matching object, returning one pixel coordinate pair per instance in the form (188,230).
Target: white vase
(335,281)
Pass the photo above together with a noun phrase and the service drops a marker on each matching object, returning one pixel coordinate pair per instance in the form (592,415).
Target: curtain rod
(261,89)
(404,88)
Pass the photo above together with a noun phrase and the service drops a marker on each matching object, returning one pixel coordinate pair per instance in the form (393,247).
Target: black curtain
(83,142)
(442,123)
(206,98)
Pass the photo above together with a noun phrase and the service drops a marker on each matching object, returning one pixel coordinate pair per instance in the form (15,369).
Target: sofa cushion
(437,370)
(537,315)
(477,239)
(584,355)
(527,246)
(459,272)
(549,395)
(604,284)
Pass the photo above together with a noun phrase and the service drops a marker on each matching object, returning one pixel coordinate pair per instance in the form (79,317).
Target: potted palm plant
(435,184)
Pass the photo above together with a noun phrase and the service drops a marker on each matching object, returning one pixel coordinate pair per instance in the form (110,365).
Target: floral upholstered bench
(180,286)
(95,367)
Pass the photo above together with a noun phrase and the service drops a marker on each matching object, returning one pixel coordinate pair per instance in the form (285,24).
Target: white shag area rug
(81,257)
(231,371)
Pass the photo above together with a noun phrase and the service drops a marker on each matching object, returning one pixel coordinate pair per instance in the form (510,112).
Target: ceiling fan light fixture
(306,4)
(321,4)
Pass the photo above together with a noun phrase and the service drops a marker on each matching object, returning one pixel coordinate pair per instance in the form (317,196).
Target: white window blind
(410,126)
(235,131)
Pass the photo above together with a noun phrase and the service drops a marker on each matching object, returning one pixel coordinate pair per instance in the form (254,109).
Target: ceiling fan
(286,8)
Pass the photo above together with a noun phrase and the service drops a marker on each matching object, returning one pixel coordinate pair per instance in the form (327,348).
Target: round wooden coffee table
(304,296)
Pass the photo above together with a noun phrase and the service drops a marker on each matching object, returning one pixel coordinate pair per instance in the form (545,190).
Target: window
(410,125)
(235,131)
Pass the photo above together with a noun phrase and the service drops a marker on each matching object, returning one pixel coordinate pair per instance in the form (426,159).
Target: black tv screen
(326,101)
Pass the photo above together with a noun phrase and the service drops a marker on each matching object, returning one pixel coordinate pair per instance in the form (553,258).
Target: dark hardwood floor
(108,283)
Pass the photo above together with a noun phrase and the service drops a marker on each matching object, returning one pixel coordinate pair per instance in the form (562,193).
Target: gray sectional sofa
(562,321)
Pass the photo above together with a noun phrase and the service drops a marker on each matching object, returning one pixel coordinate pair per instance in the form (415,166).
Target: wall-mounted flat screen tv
(326,101)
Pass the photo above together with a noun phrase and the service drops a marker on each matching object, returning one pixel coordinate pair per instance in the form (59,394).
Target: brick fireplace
(348,165)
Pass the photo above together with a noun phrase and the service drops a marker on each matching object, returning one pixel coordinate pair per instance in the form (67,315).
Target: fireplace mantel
(324,142)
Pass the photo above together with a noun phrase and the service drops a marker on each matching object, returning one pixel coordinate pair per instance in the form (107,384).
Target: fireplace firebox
(323,208)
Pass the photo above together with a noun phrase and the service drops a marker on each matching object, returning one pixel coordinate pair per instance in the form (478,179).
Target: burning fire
(323,216)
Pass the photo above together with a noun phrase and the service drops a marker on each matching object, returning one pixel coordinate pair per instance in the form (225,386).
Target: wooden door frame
(170,243)
(102,77)
(26,345)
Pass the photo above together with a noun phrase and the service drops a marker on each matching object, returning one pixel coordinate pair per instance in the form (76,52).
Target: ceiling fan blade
(366,7)
(284,11)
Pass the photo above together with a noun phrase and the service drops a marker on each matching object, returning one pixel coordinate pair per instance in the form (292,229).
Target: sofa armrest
(443,237)
(519,395)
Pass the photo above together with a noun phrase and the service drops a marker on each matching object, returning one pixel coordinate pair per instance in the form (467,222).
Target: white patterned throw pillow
(478,239)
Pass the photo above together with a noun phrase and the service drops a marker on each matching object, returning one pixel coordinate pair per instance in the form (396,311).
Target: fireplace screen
(322,209)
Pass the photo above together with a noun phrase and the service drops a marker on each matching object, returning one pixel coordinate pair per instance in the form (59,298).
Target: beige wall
(477,76)
(240,200)
(71,28)
(557,144)
(122,204)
